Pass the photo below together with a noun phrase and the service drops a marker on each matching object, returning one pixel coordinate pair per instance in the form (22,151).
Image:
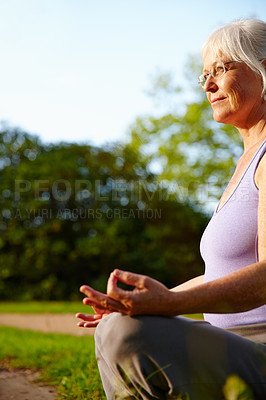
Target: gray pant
(153,357)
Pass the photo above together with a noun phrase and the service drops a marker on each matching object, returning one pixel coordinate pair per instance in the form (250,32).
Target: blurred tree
(71,213)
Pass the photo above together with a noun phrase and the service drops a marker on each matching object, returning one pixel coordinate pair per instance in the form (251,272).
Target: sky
(78,70)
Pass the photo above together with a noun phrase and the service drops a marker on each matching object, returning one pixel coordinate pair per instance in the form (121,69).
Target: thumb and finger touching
(128,278)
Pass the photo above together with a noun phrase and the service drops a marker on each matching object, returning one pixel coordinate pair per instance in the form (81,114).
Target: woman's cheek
(234,99)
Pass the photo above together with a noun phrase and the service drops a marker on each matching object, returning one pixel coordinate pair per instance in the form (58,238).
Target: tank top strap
(258,156)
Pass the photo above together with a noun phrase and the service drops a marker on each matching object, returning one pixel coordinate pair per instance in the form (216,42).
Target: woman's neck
(253,136)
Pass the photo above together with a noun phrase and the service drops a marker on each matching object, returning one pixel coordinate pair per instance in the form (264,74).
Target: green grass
(69,363)
(29,307)
(194,316)
(65,361)
(43,307)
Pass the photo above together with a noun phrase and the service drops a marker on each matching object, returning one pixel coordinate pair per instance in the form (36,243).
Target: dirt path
(54,323)
(20,384)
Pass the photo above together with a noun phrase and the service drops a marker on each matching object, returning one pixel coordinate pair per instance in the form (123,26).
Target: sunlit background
(77,70)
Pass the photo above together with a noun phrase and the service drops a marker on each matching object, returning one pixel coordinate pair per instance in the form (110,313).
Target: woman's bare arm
(198,280)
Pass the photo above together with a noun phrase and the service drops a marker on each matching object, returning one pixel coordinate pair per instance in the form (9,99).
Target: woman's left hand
(91,320)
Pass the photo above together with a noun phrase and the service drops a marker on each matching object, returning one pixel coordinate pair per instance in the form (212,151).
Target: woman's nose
(210,84)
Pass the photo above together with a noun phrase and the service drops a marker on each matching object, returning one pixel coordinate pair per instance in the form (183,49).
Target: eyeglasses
(217,72)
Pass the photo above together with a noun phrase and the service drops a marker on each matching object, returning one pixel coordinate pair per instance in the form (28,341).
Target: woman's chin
(221,117)
(218,118)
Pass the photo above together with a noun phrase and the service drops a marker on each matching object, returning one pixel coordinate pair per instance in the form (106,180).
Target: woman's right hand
(148,297)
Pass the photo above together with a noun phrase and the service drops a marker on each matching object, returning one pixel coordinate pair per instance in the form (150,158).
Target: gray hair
(243,40)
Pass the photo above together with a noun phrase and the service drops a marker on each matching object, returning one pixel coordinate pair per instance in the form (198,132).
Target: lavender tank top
(230,241)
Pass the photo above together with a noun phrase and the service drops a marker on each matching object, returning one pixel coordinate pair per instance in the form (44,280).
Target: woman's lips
(217,100)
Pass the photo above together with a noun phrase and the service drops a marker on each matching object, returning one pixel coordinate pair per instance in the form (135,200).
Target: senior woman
(145,349)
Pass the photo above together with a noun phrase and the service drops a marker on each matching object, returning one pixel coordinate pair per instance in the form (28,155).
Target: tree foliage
(72,213)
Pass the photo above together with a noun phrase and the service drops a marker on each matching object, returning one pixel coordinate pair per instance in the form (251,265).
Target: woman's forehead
(211,58)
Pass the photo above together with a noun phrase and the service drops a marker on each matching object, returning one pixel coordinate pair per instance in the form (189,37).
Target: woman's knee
(119,336)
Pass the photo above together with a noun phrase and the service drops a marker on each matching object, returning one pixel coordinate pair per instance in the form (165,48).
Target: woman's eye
(219,70)
(205,76)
